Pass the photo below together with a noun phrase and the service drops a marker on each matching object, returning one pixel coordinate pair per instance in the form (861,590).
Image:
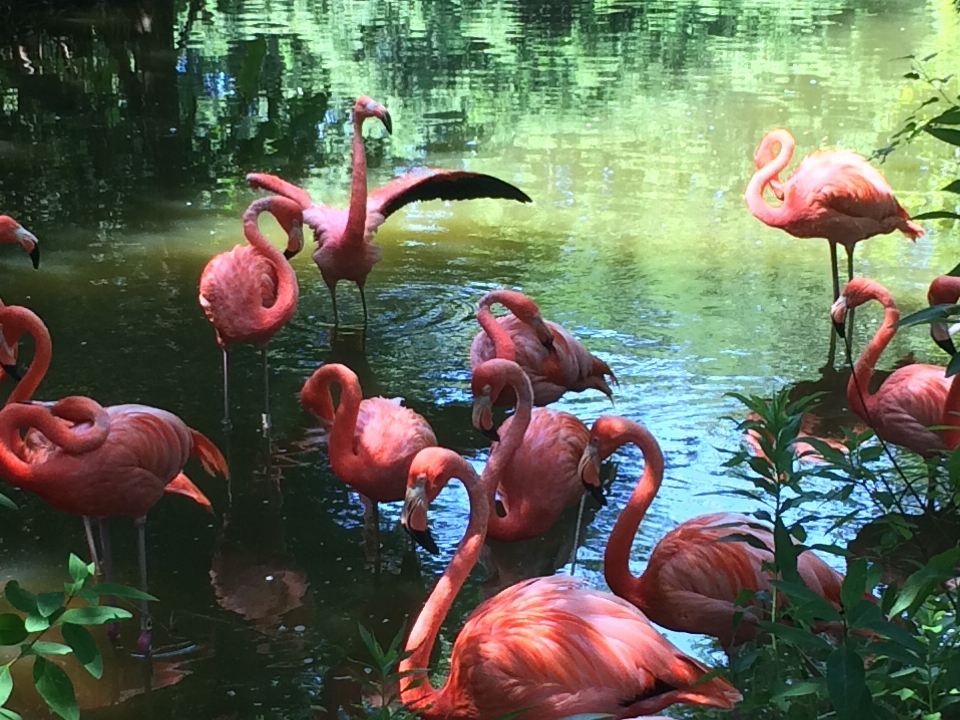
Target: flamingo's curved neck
(857,393)
(288,291)
(315,396)
(357,212)
(616,558)
(424,632)
(760,208)
(502,452)
(42,352)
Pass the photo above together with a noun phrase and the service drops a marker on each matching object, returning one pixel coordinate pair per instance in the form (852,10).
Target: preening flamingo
(692,579)
(912,399)
(537,455)
(120,465)
(372,441)
(250,292)
(547,648)
(554,360)
(13,232)
(833,194)
(345,249)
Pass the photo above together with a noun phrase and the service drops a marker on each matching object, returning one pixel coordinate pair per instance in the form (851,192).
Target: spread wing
(433,184)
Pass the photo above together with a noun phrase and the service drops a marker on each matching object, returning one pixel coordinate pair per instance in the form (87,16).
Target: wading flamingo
(692,580)
(345,249)
(547,648)
(912,399)
(554,360)
(251,291)
(832,194)
(538,453)
(13,232)
(371,441)
(123,473)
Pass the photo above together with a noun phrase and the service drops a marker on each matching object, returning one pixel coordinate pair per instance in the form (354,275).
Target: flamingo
(833,194)
(692,579)
(121,465)
(945,289)
(345,249)
(912,399)
(250,292)
(13,232)
(554,360)
(372,441)
(537,455)
(542,649)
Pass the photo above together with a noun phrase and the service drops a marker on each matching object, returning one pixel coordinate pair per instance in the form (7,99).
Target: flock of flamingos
(550,646)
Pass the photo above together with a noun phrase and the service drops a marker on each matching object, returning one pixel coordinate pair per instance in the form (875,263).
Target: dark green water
(126,130)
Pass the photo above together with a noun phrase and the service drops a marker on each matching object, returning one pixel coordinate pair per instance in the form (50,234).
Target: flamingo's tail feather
(182,485)
(210,456)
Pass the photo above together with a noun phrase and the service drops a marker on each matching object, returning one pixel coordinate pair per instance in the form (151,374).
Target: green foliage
(38,613)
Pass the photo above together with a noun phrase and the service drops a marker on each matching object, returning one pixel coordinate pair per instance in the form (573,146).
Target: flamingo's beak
(589,471)
(35,256)
(413,515)
(482,414)
(838,313)
(294,241)
(12,371)
(387,122)
(941,336)
(29,243)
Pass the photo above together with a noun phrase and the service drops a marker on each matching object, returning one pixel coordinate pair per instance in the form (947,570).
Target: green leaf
(785,553)
(937,215)
(18,597)
(946,135)
(43,647)
(55,688)
(919,585)
(846,684)
(933,313)
(121,591)
(49,602)
(796,689)
(854,584)
(804,600)
(93,615)
(85,648)
(7,502)
(79,570)
(6,683)
(8,714)
(953,367)
(953,187)
(795,635)
(12,631)
(35,622)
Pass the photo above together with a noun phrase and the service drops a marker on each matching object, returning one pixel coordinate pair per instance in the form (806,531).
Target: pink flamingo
(554,360)
(12,232)
(345,249)
(945,290)
(912,399)
(537,455)
(542,649)
(119,465)
(692,579)
(372,441)
(250,292)
(833,194)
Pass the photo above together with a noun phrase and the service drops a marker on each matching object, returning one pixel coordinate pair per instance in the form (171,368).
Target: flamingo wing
(433,184)
(235,287)
(909,402)
(557,648)
(846,183)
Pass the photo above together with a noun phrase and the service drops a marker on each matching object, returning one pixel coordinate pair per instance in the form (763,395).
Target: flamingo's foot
(143,641)
(265,423)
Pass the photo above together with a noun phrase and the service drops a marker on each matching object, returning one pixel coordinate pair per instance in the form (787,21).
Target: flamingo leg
(146,622)
(226,394)
(363,300)
(113,629)
(91,545)
(333,297)
(371,532)
(265,419)
(847,345)
(836,270)
(576,535)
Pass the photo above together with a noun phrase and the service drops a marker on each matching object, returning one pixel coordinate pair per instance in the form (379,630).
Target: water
(127,130)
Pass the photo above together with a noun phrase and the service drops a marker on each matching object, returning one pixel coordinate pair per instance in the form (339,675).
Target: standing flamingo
(945,289)
(554,360)
(542,649)
(345,249)
(833,194)
(537,453)
(124,473)
(251,291)
(693,578)
(13,232)
(912,399)
(372,441)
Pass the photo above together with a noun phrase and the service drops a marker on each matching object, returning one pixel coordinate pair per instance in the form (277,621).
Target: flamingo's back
(558,648)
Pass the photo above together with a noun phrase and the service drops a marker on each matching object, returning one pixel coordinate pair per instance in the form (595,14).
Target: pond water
(126,131)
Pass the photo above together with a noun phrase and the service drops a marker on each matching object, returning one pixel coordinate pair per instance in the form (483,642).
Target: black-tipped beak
(35,256)
(12,371)
(424,539)
(946,344)
(288,254)
(597,493)
(387,122)
(838,326)
(491,434)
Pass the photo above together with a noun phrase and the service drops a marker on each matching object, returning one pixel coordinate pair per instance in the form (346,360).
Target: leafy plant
(38,614)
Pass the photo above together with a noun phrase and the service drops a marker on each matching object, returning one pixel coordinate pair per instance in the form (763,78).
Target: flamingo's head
(488,381)
(366,107)
(944,290)
(589,470)
(429,473)
(10,331)
(13,232)
(854,294)
(290,216)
